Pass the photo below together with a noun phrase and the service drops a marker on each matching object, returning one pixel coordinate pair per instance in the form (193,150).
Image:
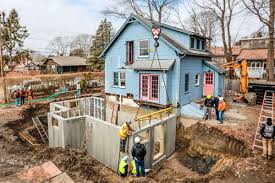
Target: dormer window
(198,44)
(192,42)
(144,48)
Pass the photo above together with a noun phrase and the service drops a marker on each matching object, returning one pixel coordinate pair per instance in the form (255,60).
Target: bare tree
(224,11)
(82,42)
(157,10)
(201,21)
(264,10)
(61,45)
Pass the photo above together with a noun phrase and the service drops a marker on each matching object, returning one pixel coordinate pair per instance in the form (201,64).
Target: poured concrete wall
(68,132)
(103,142)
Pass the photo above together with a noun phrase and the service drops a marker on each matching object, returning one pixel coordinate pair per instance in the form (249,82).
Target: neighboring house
(63,64)
(33,66)
(20,68)
(219,57)
(183,73)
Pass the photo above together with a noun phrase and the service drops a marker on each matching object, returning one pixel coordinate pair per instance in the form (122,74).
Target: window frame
(185,88)
(198,43)
(143,56)
(203,45)
(119,79)
(197,80)
(128,61)
(115,85)
(149,87)
(193,43)
(122,79)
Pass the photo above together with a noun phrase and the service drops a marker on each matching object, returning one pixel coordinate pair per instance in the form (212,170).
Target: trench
(208,150)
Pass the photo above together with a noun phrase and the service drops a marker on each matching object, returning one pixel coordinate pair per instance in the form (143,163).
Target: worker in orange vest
(124,132)
(221,108)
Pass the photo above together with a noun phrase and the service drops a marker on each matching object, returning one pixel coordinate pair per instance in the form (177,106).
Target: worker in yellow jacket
(133,168)
(124,132)
(123,166)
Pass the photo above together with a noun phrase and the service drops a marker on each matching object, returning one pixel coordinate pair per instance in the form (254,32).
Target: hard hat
(220,99)
(125,158)
(137,140)
(209,96)
(30,87)
(128,122)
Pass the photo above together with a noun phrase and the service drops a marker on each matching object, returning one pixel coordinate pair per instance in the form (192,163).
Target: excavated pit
(208,150)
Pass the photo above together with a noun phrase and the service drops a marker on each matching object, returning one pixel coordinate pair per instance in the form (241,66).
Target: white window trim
(198,81)
(143,56)
(119,80)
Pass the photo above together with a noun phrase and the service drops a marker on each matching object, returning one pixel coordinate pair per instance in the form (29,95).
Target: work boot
(270,157)
(265,156)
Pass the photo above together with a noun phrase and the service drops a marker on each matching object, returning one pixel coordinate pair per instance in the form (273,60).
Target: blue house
(180,72)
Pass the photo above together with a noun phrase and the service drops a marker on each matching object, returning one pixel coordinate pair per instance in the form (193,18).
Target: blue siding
(181,38)
(116,58)
(191,66)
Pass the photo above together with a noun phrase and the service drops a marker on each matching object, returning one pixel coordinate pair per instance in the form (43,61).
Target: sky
(46,19)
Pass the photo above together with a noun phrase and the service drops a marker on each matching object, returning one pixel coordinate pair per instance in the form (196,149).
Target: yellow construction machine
(242,65)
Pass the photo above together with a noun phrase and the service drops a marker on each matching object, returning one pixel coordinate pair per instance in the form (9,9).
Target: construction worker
(208,105)
(216,105)
(78,91)
(138,153)
(124,132)
(123,166)
(17,97)
(221,108)
(132,168)
(22,96)
(30,96)
(267,132)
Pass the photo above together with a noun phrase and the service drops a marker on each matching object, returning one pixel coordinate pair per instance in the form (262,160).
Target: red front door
(208,83)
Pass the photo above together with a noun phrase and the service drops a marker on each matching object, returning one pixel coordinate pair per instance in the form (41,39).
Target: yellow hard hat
(209,96)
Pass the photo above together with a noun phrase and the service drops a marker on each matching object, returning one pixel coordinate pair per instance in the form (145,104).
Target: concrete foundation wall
(103,142)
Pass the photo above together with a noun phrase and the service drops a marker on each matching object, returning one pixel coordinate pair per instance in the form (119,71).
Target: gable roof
(219,51)
(253,54)
(215,66)
(181,49)
(69,61)
(153,65)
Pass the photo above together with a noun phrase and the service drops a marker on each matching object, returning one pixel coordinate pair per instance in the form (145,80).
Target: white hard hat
(137,140)
(30,87)
(221,99)
(125,158)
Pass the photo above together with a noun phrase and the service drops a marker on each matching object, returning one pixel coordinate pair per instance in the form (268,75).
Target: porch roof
(215,66)
(153,65)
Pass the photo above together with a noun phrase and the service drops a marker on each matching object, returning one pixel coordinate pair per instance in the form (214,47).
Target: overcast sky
(46,19)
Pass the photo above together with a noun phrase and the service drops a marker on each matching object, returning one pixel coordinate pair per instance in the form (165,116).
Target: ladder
(267,111)
(115,114)
(43,134)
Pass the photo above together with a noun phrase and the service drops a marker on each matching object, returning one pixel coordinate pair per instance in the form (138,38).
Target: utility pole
(2,63)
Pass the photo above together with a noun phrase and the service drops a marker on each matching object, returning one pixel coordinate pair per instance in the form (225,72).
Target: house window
(144,48)
(130,52)
(192,42)
(186,84)
(122,79)
(149,87)
(203,45)
(116,78)
(119,79)
(198,44)
(197,79)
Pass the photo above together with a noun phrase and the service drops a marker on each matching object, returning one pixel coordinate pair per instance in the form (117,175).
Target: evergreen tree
(103,36)
(13,34)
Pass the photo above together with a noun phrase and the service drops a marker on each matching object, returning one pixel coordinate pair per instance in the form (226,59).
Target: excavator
(242,65)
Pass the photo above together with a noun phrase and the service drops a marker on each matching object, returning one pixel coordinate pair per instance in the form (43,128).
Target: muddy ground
(206,151)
